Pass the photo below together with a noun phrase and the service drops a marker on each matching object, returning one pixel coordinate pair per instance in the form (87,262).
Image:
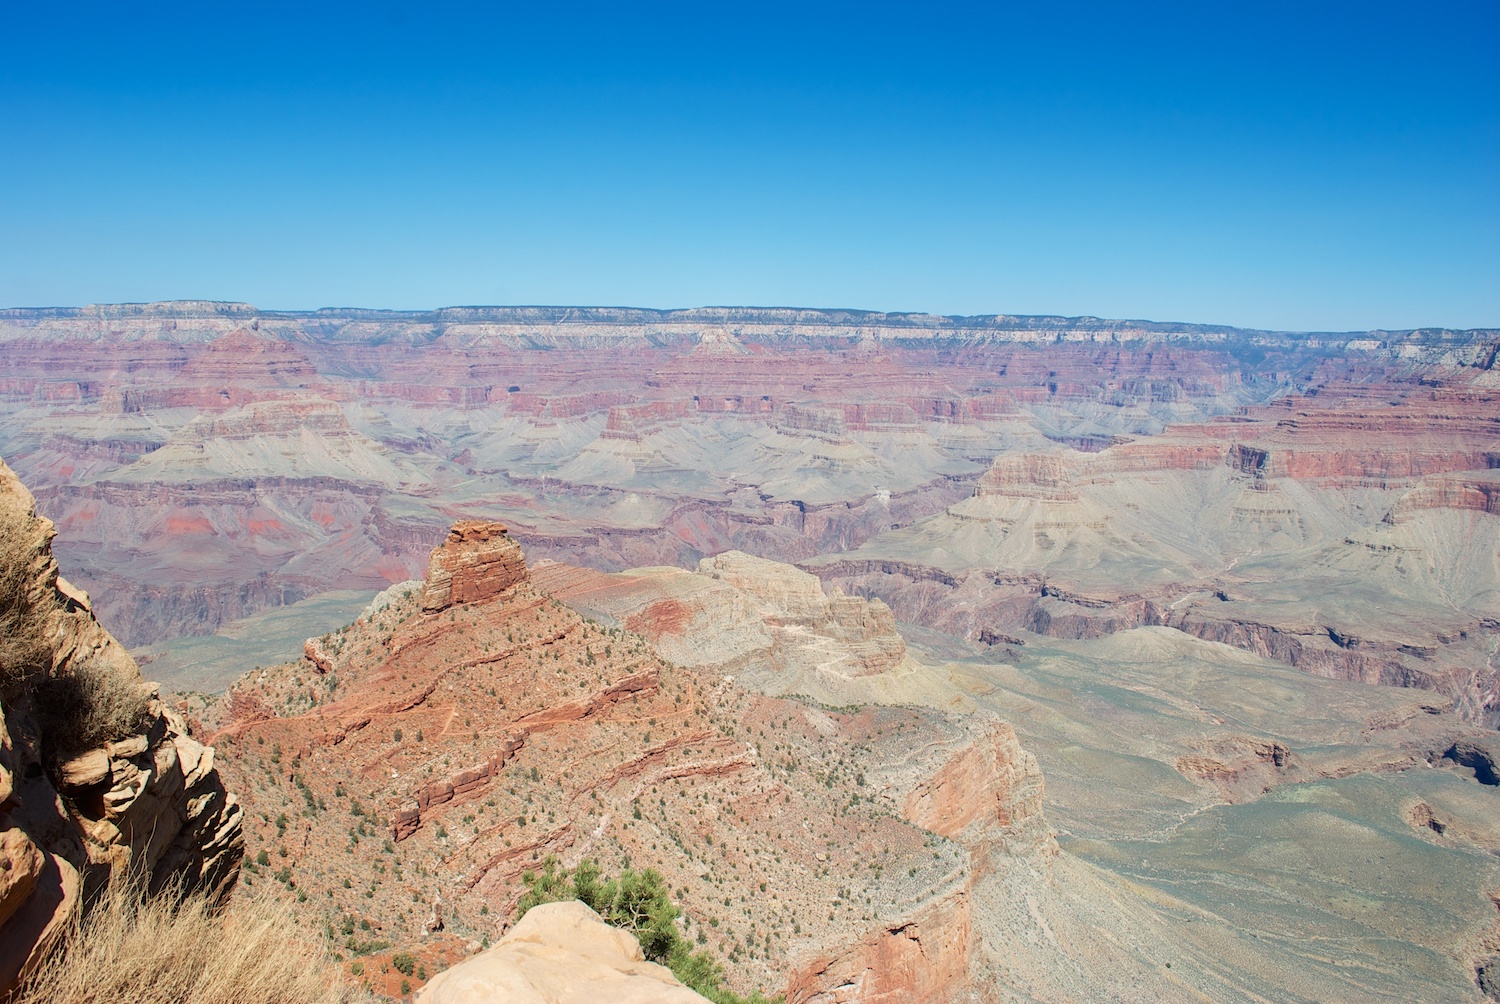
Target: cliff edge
(97,776)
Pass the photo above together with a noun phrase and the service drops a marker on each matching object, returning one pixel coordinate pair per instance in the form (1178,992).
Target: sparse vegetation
(24,651)
(641,903)
(162,950)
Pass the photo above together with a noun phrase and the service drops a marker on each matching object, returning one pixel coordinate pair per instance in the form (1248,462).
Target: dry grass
(156,950)
(24,650)
(91,705)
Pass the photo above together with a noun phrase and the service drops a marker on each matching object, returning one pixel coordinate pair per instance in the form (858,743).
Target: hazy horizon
(330,308)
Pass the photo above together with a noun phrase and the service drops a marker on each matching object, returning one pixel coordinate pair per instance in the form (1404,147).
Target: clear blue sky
(1299,165)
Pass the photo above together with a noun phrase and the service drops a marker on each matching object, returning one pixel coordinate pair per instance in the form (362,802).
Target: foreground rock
(559,953)
(97,777)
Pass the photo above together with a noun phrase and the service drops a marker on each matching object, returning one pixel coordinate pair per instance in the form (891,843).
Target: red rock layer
(988,797)
(477,562)
(481,736)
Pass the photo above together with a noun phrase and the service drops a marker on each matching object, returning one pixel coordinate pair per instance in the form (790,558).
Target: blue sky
(1304,166)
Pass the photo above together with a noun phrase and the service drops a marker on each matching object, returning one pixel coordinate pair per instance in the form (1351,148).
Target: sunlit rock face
(560,953)
(481,725)
(477,562)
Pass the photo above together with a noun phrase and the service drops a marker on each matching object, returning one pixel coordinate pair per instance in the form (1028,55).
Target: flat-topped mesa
(477,562)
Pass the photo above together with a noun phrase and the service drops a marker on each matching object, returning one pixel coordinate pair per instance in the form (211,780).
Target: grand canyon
(924,658)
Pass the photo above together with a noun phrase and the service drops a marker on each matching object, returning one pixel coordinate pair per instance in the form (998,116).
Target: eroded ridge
(458,735)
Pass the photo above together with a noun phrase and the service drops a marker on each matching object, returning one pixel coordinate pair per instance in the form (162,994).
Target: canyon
(800,608)
(210,461)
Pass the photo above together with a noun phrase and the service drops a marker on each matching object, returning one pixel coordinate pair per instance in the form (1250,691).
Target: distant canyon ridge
(1327,501)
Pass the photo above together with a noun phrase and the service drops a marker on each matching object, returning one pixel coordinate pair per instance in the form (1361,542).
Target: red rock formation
(990,789)
(988,797)
(1477,491)
(924,960)
(477,562)
(483,735)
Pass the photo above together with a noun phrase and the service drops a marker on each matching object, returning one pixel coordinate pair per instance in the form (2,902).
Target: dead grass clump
(161,950)
(24,650)
(92,705)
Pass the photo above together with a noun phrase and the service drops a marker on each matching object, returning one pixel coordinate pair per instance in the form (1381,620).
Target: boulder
(559,953)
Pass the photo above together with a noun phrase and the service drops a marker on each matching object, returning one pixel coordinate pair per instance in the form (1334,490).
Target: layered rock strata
(1382,570)
(477,562)
(769,625)
(474,727)
(209,461)
(985,794)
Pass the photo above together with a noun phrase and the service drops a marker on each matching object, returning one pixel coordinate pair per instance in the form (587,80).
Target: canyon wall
(208,461)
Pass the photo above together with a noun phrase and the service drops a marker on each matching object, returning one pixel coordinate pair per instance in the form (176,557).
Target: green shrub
(638,902)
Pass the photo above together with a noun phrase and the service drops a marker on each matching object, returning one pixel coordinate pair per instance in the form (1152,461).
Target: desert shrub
(166,950)
(405,962)
(638,902)
(25,652)
(91,705)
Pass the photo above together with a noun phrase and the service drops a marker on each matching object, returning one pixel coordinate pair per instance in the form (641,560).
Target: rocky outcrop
(1481,754)
(922,960)
(1478,491)
(407,819)
(768,624)
(989,791)
(97,776)
(1029,475)
(316,651)
(477,562)
(560,953)
(986,795)
(484,738)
